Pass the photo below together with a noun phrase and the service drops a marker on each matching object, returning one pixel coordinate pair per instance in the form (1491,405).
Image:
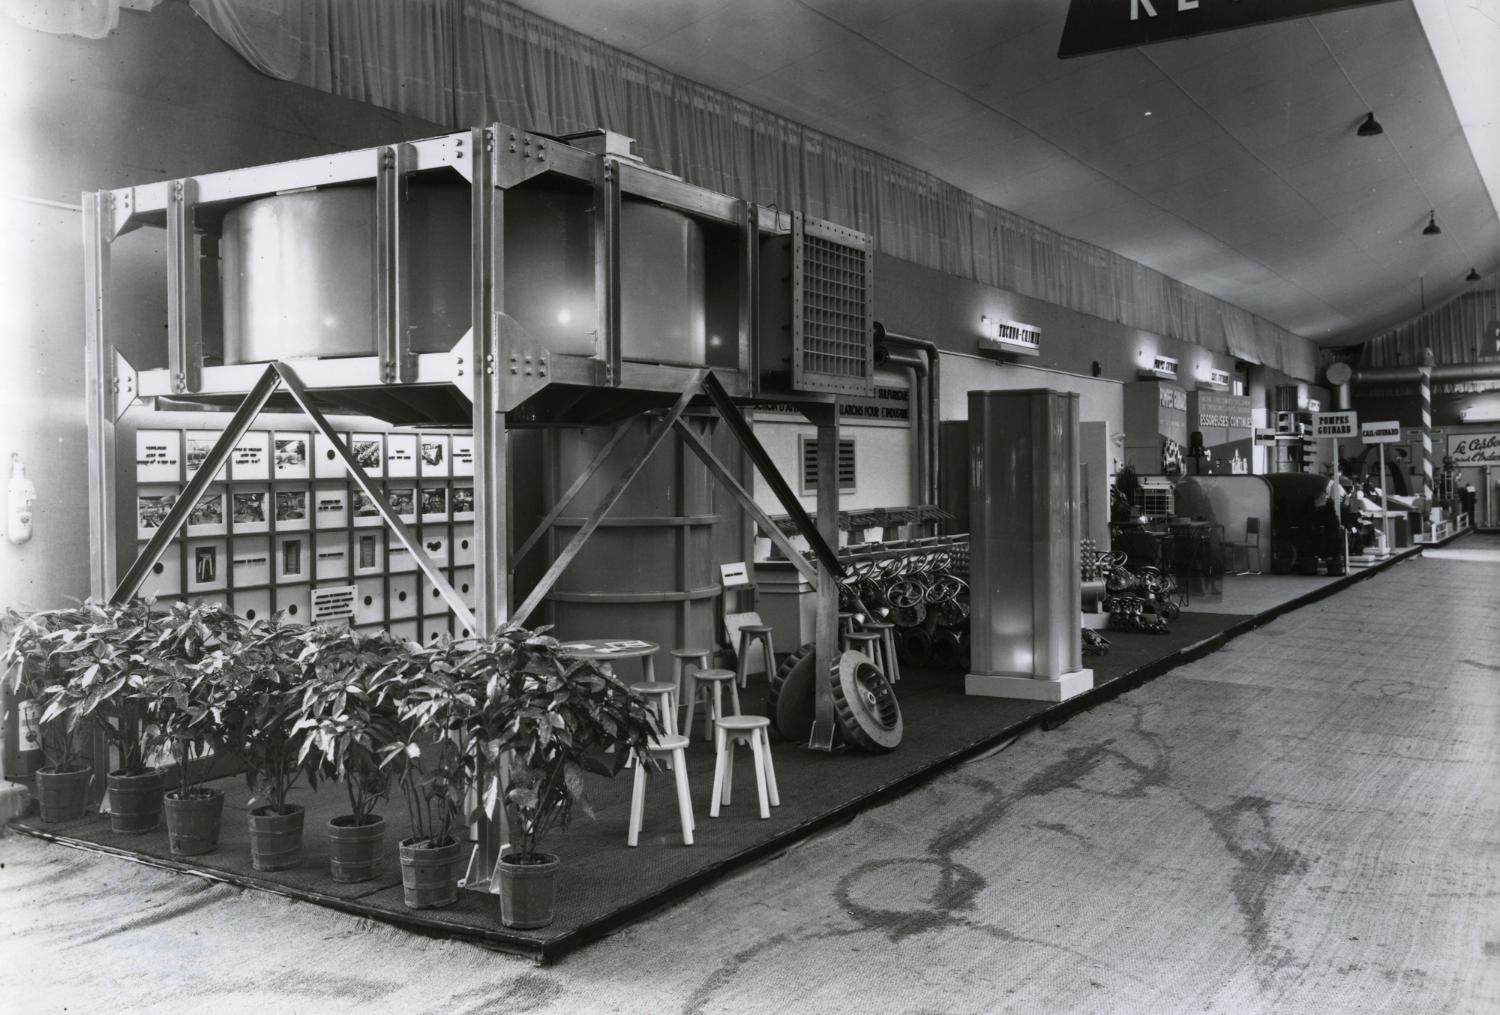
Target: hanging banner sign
(1475,448)
(1335,424)
(1097,25)
(1388,432)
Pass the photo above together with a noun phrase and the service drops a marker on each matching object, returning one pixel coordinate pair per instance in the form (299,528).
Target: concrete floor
(1307,820)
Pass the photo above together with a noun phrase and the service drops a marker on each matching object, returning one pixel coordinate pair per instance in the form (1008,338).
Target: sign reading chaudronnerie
(1097,25)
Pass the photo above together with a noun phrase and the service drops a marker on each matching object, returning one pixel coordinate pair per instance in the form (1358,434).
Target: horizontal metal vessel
(299,273)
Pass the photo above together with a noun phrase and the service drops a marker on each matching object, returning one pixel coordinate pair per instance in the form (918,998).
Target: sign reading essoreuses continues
(1336,424)
(1095,25)
(1386,432)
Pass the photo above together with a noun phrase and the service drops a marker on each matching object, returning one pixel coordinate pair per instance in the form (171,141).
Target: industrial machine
(529,332)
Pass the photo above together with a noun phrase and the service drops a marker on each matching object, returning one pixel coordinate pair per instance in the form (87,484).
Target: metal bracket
(123,386)
(184,289)
(526,365)
(517,156)
(822,736)
(454,367)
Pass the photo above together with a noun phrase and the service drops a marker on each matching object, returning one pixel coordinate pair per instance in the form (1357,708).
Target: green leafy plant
(433,757)
(264,684)
(348,713)
(189,669)
(96,653)
(35,680)
(552,718)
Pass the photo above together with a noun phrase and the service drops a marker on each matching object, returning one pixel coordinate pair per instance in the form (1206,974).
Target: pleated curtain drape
(1454,332)
(462,62)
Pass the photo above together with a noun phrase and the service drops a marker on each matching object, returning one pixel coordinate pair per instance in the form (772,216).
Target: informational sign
(735,576)
(332,602)
(251,456)
(1335,424)
(1265,435)
(158,456)
(1097,25)
(1475,448)
(1172,397)
(1387,432)
(1009,336)
(1314,405)
(1219,377)
(1219,409)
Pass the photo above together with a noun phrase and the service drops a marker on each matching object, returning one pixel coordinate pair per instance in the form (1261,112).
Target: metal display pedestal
(995,685)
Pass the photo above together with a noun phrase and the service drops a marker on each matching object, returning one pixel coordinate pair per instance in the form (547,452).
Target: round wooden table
(610,650)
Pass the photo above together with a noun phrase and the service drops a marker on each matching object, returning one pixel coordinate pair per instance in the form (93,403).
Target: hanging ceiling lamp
(1472,276)
(1370,127)
(1432,228)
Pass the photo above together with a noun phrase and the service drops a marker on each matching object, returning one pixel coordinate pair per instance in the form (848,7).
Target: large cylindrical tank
(299,273)
(651,569)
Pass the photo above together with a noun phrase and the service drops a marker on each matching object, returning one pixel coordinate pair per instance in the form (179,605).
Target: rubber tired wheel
(865,703)
(790,701)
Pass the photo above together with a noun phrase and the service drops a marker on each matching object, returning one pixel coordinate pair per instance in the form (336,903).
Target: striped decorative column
(1424,386)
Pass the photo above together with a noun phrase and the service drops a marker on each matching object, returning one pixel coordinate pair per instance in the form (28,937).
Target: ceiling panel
(1247,179)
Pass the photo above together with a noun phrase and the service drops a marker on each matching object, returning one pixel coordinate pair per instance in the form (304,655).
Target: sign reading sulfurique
(1475,448)
(1096,25)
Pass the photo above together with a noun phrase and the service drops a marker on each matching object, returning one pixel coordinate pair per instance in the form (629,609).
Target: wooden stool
(846,623)
(749,635)
(867,642)
(680,658)
(663,698)
(887,661)
(753,730)
(710,681)
(674,747)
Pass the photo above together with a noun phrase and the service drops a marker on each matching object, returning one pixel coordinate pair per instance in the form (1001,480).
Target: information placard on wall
(332,602)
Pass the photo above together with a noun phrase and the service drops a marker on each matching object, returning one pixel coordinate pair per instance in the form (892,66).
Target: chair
(1251,541)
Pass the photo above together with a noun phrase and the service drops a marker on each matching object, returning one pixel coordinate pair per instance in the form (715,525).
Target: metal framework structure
(507,376)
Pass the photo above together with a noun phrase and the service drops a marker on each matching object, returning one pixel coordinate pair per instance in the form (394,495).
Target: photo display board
(285,529)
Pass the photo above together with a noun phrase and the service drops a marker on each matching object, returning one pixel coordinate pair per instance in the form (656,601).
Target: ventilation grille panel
(833,346)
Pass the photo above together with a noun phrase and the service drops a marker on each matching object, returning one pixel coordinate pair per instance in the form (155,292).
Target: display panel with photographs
(206,565)
(151,507)
(403,501)
(434,504)
(292,563)
(365,513)
(463,503)
(369,453)
(197,444)
(434,455)
(207,516)
(369,553)
(292,455)
(291,510)
(249,511)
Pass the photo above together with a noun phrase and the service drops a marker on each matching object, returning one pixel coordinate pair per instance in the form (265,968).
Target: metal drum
(651,569)
(299,273)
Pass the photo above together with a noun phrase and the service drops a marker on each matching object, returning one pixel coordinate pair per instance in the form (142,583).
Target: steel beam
(825,641)
(767,468)
(397,364)
(569,552)
(566,499)
(177,516)
(721,472)
(607,268)
(184,289)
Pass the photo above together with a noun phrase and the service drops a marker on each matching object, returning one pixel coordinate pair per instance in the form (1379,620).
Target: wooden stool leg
(760,773)
(684,802)
(770,768)
(888,642)
(770,656)
(693,688)
(742,663)
(637,806)
(734,697)
(648,668)
(713,801)
(729,745)
(717,709)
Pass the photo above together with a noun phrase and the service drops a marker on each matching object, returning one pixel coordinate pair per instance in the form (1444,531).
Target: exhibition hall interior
(442,435)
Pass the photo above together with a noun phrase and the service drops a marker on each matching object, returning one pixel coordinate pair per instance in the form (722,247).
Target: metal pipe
(915,368)
(934,401)
(1442,372)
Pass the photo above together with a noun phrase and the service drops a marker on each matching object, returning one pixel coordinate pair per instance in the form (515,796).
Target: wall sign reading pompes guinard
(1475,448)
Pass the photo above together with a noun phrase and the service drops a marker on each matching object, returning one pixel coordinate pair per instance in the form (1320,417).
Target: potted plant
(186,687)
(347,718)
(551,717)
(433,761)
(264,689)
(62,781)
(98,652)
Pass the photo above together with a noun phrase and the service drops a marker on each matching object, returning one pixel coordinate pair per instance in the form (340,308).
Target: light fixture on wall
(1478,415)
(1432,228)
(1472,276)
(1370,127)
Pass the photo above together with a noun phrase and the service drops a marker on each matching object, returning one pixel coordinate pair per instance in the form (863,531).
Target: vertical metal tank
(651,569)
